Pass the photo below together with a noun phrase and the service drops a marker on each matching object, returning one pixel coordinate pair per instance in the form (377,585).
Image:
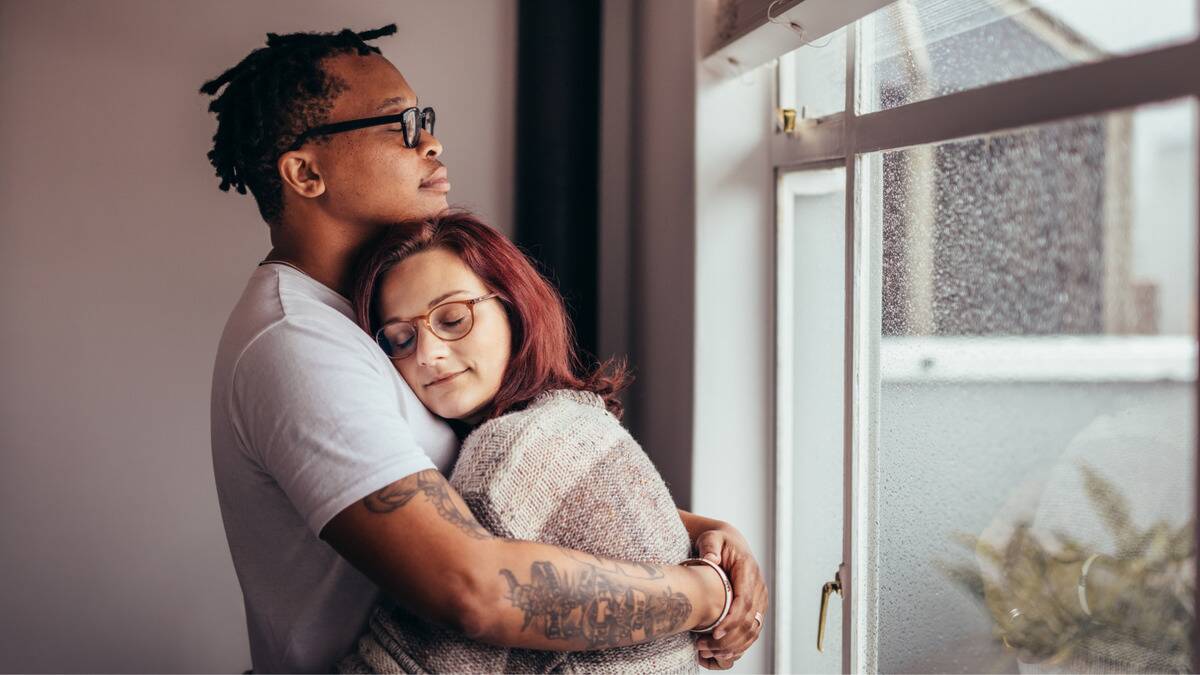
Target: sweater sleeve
(569,474)
(517,471)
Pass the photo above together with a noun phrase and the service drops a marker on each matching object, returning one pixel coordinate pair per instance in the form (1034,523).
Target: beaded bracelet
(690,562)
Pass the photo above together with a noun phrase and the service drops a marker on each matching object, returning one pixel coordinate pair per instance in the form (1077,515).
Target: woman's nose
(430,348)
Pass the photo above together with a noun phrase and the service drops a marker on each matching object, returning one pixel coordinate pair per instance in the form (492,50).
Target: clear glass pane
(812,216)
(812,79)
(919,49)
(1037,398)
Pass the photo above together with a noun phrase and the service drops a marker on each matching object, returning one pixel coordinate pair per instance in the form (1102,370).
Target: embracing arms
(415,538)
(418,541)
(723,544)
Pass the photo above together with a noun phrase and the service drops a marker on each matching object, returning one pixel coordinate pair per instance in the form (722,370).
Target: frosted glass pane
(813,77)
(1037,407)
(920,49)
(813,217)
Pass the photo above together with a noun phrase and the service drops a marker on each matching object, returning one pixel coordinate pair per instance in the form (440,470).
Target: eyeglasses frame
(425,319)
(362,123)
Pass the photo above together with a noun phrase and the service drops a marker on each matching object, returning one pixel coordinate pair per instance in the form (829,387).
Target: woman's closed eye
(398,338)
(451,316)
(451,322)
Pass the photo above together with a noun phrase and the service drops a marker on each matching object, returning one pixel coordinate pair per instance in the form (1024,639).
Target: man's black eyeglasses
(412,122)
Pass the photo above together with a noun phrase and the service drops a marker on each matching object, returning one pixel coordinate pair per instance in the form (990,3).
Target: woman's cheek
(502,356)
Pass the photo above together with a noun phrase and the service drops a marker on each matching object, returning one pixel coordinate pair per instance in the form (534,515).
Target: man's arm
(418,541)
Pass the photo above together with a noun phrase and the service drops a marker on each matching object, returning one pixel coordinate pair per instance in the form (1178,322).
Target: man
(329,471)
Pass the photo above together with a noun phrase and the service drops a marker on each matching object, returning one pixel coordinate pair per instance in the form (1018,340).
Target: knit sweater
(562,471)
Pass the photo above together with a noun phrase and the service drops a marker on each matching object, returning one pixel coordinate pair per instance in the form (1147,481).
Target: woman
(484,342)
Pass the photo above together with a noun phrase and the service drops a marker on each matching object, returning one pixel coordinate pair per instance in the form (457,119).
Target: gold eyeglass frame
(424,318)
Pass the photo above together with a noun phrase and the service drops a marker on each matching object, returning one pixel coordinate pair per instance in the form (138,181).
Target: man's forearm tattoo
(600,608)
(633,570)
(434,489)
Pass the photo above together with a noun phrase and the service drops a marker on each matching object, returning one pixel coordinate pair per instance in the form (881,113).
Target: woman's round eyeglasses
(449,321)
(412,122)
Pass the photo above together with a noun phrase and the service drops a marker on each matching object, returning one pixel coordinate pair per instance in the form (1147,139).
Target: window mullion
(997,107)
(1082,90)
(850,636)
(823,141)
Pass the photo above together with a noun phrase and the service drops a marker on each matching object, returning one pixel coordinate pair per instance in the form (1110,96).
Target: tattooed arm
(419,542)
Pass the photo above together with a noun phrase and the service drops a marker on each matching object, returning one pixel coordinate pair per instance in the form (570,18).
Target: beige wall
(119,261)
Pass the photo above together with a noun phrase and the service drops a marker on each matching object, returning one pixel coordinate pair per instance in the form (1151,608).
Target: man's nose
(430,348)
(430,146)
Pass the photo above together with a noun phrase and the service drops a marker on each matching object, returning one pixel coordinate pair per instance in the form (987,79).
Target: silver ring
(758,618)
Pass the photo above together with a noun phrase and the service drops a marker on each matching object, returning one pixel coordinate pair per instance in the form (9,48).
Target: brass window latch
(787,120)
(828,589)
(792,122)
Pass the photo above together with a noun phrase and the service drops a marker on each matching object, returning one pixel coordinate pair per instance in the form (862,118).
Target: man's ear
(298,169)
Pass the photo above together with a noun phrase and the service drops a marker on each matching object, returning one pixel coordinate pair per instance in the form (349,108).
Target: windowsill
(1026,359)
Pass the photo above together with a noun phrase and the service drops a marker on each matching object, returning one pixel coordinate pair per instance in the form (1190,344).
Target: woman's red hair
(544,355)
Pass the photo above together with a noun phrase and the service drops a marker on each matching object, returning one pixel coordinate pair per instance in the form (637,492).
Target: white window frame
(1144,78)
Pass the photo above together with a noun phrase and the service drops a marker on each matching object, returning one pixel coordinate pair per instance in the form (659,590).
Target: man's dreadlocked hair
(272,96)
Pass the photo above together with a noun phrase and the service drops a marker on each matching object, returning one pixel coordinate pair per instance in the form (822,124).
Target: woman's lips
(445,378)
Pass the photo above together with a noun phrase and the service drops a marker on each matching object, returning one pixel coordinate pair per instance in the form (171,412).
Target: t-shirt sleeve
(317,412)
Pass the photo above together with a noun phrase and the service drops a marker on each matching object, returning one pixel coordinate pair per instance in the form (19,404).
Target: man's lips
(445,378)
(437,182)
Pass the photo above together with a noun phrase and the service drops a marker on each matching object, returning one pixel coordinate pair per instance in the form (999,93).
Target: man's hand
(724,545)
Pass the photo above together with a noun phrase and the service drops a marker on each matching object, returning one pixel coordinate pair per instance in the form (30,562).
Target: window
(929,48)
(1001,241)
(1023,280)
(810,385)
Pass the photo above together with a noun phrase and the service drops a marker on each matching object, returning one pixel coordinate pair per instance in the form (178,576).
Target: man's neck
(324,253)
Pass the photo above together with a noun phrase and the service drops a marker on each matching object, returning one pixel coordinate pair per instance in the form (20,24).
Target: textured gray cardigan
(562,471)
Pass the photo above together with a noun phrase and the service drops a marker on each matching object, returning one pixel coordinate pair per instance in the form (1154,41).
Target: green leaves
(1139,594)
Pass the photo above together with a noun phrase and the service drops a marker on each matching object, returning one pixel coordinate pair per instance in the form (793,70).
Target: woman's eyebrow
(431,304)
(442,297)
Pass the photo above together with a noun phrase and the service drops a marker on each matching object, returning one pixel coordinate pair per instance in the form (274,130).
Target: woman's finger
(746,579)
(716,664)
(738,637)
(710,644)
(748,587)
(706,644)
(710,545)
(736,642)
(739,610)
(745,576)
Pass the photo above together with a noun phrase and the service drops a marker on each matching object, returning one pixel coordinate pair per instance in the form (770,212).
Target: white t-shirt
(308,416)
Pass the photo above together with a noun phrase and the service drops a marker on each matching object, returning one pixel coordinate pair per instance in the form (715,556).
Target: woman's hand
(727,547)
